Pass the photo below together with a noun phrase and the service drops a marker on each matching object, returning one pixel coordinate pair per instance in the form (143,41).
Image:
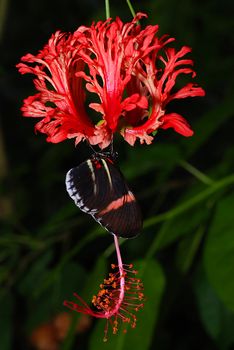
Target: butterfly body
(98,188)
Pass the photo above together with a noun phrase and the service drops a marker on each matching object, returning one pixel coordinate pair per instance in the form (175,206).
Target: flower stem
(131,8)
(119,258)
(121,273)
(107,6)
(196,173)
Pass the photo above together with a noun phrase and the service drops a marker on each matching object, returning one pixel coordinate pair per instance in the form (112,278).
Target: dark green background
(48,248)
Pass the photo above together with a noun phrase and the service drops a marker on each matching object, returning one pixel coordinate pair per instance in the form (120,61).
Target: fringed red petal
(132,71)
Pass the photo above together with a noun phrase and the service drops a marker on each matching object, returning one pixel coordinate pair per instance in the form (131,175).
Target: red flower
(119,297)
(131,71)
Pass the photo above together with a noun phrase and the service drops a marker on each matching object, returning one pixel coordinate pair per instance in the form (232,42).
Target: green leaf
(192,202)
(140,338)
(187,249)
(44,305)
(6,321)
(61,220)
(71,278)
(209,124)
(91,287)
(35,275)
(218,321)
(219,252)
(160,156)
(96,277)
(183,225)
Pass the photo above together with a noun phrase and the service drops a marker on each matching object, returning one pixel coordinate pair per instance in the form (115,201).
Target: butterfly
(98,188)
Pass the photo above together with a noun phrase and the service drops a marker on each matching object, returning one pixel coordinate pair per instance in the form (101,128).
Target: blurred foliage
(185,256)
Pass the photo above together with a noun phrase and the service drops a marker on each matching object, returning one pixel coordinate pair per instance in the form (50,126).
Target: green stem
(107,7)
(28,241)
(193,248)
(131,8)
(196,173)
(216,186)
(167,216)
(158,239)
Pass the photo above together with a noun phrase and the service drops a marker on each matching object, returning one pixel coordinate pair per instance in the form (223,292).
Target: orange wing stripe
(118,203)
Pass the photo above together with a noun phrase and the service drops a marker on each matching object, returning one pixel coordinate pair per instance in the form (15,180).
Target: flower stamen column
(119,297)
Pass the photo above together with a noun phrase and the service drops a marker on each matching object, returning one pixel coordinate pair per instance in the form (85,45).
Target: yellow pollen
(106,300)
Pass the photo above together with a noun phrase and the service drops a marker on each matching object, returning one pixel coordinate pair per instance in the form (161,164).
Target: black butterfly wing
(122,215)
(98,188)
(84,185)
